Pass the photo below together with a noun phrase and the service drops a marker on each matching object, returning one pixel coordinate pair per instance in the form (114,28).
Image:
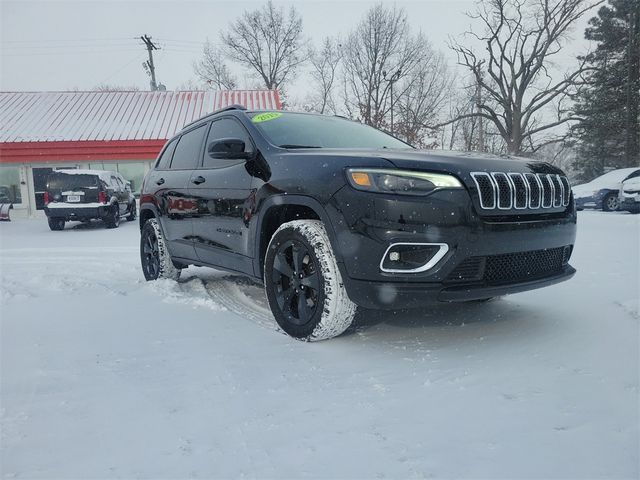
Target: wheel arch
(145,213)
(280,209)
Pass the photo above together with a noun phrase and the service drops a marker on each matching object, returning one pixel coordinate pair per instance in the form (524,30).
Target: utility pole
(393,79)
(148,65)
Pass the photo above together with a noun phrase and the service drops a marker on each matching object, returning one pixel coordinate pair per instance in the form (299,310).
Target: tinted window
(189,150)
(165,158)
(226,128)
(290,130)
(71,182)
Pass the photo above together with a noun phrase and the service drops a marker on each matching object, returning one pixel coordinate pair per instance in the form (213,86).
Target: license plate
(73,198)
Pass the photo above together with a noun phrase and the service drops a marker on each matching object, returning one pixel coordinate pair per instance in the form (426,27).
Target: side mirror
(228,148)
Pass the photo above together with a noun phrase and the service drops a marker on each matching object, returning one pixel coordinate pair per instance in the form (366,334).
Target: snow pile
(104,375)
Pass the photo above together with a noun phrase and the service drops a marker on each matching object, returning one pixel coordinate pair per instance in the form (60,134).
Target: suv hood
(463,163)
(460,164)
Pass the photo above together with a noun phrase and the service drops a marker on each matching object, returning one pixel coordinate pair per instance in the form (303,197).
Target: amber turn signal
(361,178)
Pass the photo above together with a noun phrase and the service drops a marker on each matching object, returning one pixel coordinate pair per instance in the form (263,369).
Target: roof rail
(225,109)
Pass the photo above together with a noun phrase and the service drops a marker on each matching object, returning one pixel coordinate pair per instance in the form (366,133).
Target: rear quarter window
(167,154)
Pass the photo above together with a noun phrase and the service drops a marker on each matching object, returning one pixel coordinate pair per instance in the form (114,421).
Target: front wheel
(303,283)
(611,203)
(154,256)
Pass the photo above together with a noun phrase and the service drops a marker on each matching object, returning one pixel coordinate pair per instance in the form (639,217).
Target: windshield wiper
(288,145)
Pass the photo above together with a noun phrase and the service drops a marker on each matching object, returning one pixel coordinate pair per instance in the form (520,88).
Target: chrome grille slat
(505,192)
(521,191)
(547,191)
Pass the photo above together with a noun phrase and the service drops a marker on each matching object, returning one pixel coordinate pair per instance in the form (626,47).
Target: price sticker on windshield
(265,117)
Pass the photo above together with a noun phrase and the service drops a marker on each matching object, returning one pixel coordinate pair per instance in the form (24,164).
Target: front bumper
(391,295)
(630,203)
(366,224)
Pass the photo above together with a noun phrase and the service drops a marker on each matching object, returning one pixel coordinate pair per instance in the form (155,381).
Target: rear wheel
(303,283)
(611,203)
(56,223)
(113,217)
(154,256)
(131,215)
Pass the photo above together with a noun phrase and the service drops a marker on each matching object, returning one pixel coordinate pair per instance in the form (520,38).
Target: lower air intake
(511,267)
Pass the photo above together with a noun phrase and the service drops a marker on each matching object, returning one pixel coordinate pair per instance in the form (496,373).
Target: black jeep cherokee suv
(332,214)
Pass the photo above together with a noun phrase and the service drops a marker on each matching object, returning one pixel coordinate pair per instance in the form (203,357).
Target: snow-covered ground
(106,376)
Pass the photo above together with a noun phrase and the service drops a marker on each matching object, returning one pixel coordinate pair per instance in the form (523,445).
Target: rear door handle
(160,181)
(199,179)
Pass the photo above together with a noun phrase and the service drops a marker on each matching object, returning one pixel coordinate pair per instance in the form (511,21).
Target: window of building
(10,185)
(133,172)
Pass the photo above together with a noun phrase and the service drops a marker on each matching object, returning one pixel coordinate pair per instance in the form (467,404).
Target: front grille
(505,191)
(511,267)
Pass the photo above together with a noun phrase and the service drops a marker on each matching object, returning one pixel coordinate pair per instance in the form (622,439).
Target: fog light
(412,257)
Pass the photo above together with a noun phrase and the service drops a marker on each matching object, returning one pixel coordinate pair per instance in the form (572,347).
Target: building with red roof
(120,131)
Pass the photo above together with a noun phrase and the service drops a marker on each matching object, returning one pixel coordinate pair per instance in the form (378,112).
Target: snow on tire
(154,256)
(303,283)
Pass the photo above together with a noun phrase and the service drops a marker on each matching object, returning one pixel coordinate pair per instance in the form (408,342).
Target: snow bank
(104,375)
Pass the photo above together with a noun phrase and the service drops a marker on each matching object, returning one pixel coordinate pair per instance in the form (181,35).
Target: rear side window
(165,158)
(189,150)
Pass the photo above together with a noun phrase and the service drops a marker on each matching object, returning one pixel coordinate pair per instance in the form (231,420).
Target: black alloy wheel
(150,254)
(296,278)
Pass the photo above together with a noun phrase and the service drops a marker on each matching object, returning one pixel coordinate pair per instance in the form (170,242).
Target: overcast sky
(64,45)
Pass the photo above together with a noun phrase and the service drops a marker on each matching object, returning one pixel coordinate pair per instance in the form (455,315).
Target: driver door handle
(199,179)
(160,181)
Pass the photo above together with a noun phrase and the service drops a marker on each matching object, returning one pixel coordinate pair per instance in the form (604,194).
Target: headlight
(404,182)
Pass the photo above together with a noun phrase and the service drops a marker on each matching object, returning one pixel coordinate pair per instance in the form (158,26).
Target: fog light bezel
(443,248)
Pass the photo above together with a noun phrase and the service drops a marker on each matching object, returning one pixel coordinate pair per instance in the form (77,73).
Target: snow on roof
(78,116)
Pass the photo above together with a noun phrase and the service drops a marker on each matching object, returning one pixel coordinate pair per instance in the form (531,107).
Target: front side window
(300,130)
(189,150)
(226,128)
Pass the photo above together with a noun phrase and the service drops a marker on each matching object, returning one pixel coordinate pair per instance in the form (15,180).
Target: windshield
(60,181)
(301,130)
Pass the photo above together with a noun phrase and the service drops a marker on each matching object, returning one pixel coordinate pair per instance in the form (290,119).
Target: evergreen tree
(609,132)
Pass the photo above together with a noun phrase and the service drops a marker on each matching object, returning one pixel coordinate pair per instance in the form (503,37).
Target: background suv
(88,194)
(332,214)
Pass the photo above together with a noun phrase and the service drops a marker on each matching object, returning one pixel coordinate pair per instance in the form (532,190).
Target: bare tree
(213,70)
(422,96)
(268,43)
(105,87)
(325,64)
(381,46)
(521,37)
